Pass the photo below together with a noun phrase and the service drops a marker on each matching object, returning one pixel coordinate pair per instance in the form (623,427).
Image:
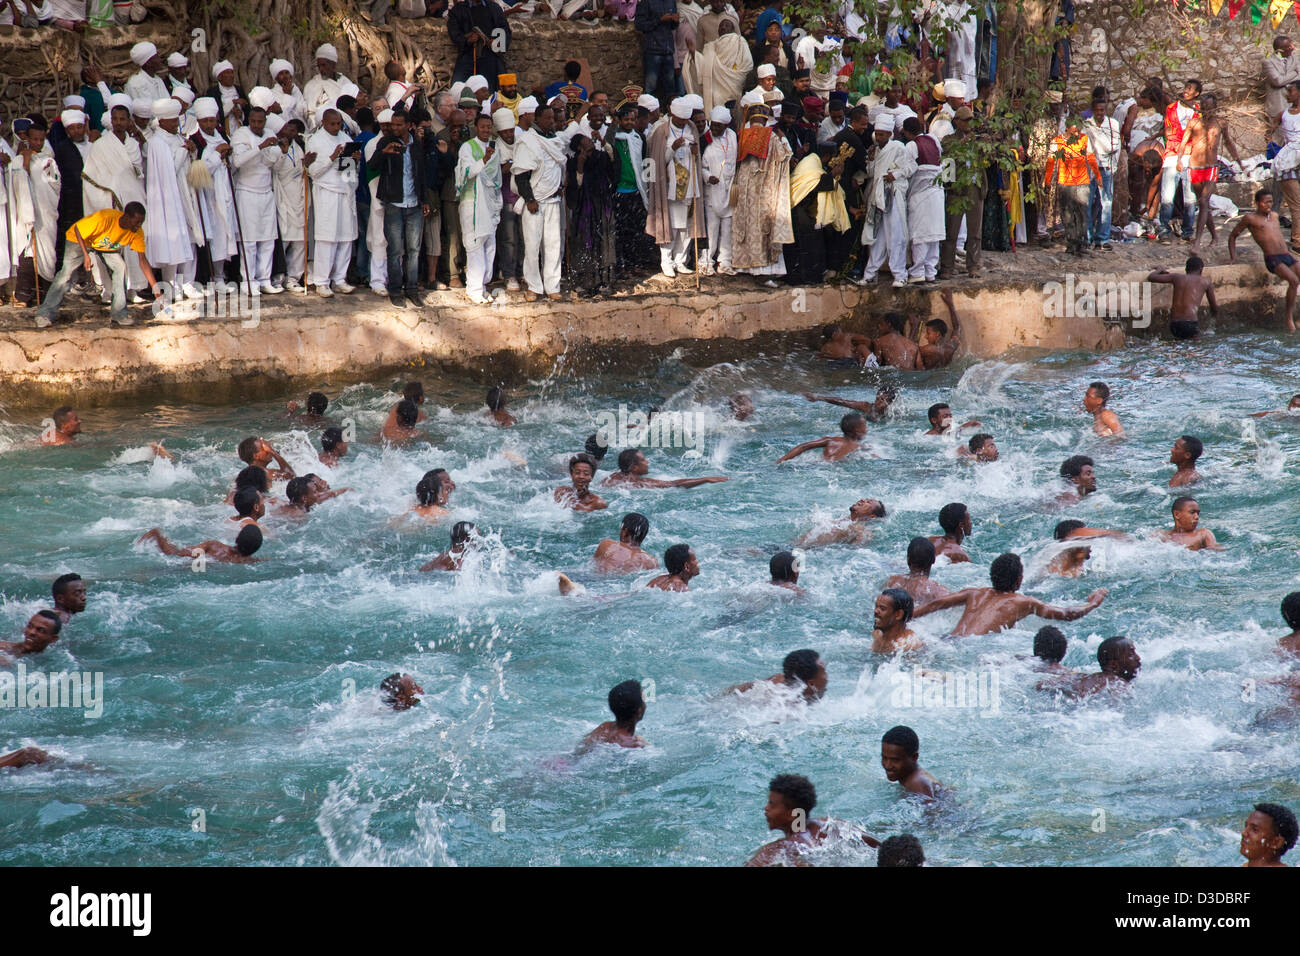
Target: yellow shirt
(102,231)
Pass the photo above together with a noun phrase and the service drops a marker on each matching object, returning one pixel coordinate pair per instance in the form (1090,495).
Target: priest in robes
(719,171)
(35,187)
(760,226)
(325,87)
(676,188)
(290,99)
(723,66)
(334,204)
(885,229)
(218,218)
(925,212)
(147,85)
(255,155)
(171,225)
(478,189)
(593,176)
(291,214)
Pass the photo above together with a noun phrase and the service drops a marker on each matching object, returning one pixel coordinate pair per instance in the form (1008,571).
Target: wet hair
(53,618)
(254,476)
(1073,466)
(461,531)
(896,321)
(920,554)
(582,458)
(636,525)
(427,488)
(246,500)
(1102,389)
(63,581)
(887,392)
(1291,610)
(1050,644)
(626,459)
(297,488)
(829,331)
(880,510)
(1284,822)
(247,449)
(902,850)
(594,448)
(797,791)
(904,737)
(248,540)
(625,700)
(408,413)
(414,391)
(1063,528)
(675,558)
(495,397)
(782,567)
(850,422)
(1193,445)
(933,413)
(1194,264)
(1108,650)
(1006,572)
(902,600)
(391,688)
(317,403)
(939,325)
(802,665)
(330,438)
(978,441)
(1179,502)
(951,515)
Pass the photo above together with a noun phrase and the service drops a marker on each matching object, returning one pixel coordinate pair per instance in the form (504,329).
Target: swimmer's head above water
(594,448)
(805,667)
(249,540)
(854,426)
(1118,655)
(1050,644)
(627,703)
(1078,470)
(461,532)
(414,392)
(248,503)
(894,607)
(254,476)
(582,468)
(408,413)
(790,801)
(631,461)
(865,509)
(920,555)
(633,528)
(434,487)
(900,750)
(680,561)
(954,518)
(1006,573)
(400,691)
(982,447)
(784,568)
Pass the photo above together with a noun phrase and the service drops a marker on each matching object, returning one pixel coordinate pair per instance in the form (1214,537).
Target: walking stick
(306,207)
(243,245)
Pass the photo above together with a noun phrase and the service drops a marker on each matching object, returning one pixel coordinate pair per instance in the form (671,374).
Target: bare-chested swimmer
(988,610)
(1119,662)
(917,582)
(258,452)
(838,344)
(69,595)
(1104,421)
(900,752)
(954,519)
(890,633)
(873,411)
(834,448)
(1187,515)
(333,447)
(26,757)
(802,671)
(741,406)
(940,416)
(628,706)
(41,630)
(251,477)
(1291,615)
(1069,563)
(1071,529)
(411,392)
(1267,233)
(785,568)
(682,565)
(1185,453)
(625,555)
(306,492)
(1080,478)
(941,343)
(853,531)
(247,542)
(432,495)
(893,347)
(462,532)
(314,413)
(250,508)
(67,426)
(401,426)
(790,802)
(400,691)
(579,496)
(1269,832)
(1292,407)
(980,448)
(1050,646)
(1189,288)
(496,403)
(633,469)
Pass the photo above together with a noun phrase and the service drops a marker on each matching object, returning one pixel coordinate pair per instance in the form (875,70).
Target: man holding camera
(404,186)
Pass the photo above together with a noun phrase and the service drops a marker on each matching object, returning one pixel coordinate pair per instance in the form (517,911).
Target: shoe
(455,283)
(916,280)
(530,295)
(42,322)
(440,286)
(135,298)
(900,284)
(706,270)
(379,290)
(271,289)
(323,291)
(413,296)
(668,270)
(399,302)
(726,271)
(555,296)
(512,285)
(292,285)
(1105,245)
(124,320)
(343,288)
(771,284)
(682,268)
(479,299)
(191,291)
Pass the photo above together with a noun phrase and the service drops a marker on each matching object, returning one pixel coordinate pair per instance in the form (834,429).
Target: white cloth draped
(544,158)
(36,209)
(220,224)
(319,95)
(117,167)
(289,195)
(333,193)
(254,170)
(478,186)
(719,160)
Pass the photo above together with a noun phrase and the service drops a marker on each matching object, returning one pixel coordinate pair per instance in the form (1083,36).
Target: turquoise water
(231,691)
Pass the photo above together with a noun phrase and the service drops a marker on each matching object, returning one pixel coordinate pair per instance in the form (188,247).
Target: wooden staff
(306,202)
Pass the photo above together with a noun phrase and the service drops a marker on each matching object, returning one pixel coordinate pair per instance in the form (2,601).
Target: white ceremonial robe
(478,186)
(36,210)
(292,104)
(168,234)
(319,95)
(254,169)
(334,204)
(376,241)
(886,222)
(289,209)
(719,161)
(7,258)
(544,158)
(925,218)
(220,222)
(145,88)
(113,174)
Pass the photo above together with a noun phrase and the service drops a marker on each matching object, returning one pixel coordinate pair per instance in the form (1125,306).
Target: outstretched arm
(957,598)
(842,402)
(1162,275)
(696,482)
(166,547)
(798,450)
(1053,613)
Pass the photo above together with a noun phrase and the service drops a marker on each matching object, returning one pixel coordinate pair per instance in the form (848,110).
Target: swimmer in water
(890,633)
(249,506)
(784,568)
(411,392)
(67,426)
(26,757)
(940,345)
(1070,529)
(1264,229)
(1050,645)
(258,451)
(741,405)
(41,631)
(633,468)
(802,670)
(401,428)
(432,494)
(69,594)
(625,555)
(902,850)
(940,416)
(1292,407)
(1189,289)
(496,403)
(1269,832)
(333,447)
(1119,662)
(852,531)
(595,449)
(304,493)
(895,348)
(954,519)
(834,448)
(917,582)
(790,801)
(247,542)
(900,751)
(400,691)
(1186,452)
(1078,472)
(1104,421)
(251,477)
(989,610)
(628,706)
(1069,562)
(980,448)
(873,411)
(1187,515)
(838,344)
(682,565)
(579,496)
(315,413)
(451,560)
(1291,615)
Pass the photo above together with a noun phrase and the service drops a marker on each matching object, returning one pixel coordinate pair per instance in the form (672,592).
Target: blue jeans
(1170,179)
(659,70)
(1100,200)
(362,247)
(72,260)
(403,231)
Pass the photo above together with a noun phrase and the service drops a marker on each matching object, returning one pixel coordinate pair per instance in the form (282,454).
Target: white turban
(220,67)
(457,88)
(184,94)
(696,101)
(205,107)
(119,99)
(74,101)
(166,108)
(178,60)
(648,102)
(142,109)
(274,124)
(385,116)
(72,118)
(349,89)
(143,52)
(955,88)
(326,51)
(680,108)
(884,122)
(106,121)
(752,98)
(527,105)
(720,114)
(279,66)
(503,119)
(260,97)
(477,83)
(766,70)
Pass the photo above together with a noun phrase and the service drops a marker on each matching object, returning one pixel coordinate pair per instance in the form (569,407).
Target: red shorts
(1205,174)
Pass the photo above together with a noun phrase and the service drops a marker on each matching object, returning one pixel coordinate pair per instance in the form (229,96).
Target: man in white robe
(147,85)
(719,163)
(478,186)
(36,183)
(256,153)
(674,165)
(171,225)
(218,219)
(925,211)
(178,73)
(886,222)
(539,169)
(287,95)
(7,171)
(815,45)
(112,177)
(334,204)
(142,117)
(289,209)
(325,87)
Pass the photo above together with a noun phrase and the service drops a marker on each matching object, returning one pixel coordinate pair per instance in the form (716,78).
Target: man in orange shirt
(1072,166)
(1177,117)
